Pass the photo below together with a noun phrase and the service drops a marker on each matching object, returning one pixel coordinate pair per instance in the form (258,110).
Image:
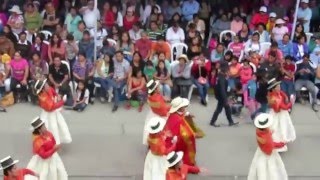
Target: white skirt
(282,128)
(48,169)
(56,125)
(155,167)
(264,167)
(150,115)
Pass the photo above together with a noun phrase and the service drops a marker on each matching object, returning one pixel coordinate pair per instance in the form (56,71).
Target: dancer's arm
(278,145)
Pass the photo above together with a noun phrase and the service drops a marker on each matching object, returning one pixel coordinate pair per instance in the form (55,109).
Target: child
(245,75)
(82,97)
(234,70)
(251,90)
(149,70)
(227,39)
(236,46)
(287,83)
(212,44)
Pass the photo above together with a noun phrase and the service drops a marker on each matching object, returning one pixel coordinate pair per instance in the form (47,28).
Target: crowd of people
(68,54)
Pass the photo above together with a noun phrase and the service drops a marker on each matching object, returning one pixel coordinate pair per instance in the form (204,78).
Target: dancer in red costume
(267,163)
(282,127)
(51,105)
(11,172)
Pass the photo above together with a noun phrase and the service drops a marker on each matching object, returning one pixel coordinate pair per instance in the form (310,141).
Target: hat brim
(154,88)
(274,85)
(185,102)
(267,125)
(14,162)
(15,11)
(39,90)
(34,128)
(159,129)
(179,158)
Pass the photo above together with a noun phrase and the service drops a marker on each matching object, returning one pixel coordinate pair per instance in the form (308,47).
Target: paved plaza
(109,146)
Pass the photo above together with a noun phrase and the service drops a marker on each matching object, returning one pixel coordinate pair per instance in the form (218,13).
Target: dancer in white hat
(11,171)
(283,130)
(51,104)
(155,164)
(46,161)
(267,163)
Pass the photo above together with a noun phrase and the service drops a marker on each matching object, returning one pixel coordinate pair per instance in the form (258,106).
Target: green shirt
(153,34)
(149,72)
(33,21)
(72,23)
(77,35)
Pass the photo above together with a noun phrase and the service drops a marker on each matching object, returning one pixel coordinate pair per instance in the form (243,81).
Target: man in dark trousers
(220,90)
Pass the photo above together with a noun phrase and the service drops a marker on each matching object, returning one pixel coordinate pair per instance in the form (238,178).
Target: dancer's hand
(57,147)
(204,171)
(174,140)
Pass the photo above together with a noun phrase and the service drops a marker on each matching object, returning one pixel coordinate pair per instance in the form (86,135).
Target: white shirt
(120,19)
(90,17)
(301,50)
(100,35)
(306,14)
(279,32)
(134,36)
(86,96)
(175,37)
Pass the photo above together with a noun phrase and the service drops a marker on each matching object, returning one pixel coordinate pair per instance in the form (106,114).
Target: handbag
(7,100)
(201,79)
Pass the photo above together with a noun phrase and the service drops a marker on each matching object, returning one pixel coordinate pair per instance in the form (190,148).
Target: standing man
(189,8)
(304,15)
(90,15)
(221,95)
(11,172)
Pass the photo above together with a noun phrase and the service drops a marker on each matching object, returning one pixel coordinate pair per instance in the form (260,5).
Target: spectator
(221,24)
(181,74)
(314,23)
(244,33)
(23,46)
(3,20)
(263,34)
(288,24)
(245,75)
(304,15)
(83,70)
(236,23)
(279,30)
(108,16)
(119,80)
(40,47)
(174,8)
(175,34)
(200,25)
(146,10)
(253,44)
(125,45)
(191,33)
(137,64)
(287,82)
(279,8)
(86,46)
(72,21)
(107,48)
(9,34)
(90,14)
(143,46)
(161,56)
(82,97)
(195,48)
(137,89)
(274,49)
(118,16)
(304,76)
(176,18)
(251,90)
(16,21)
(234,72)
(6,45)
(162,74)
(32,18)
(39,68)
(161,24)
(271,22)
(200,72)
(285,45)
(299,31)
(135,32)
(129,19)
(50,18)
(149,70)
(236,46)
(189,8)
(99,34)
(255,58)
(300,48)
(204,12)
(61,31)
(71,52)
(3,71)
(154,31)
(217,54)
(160,46)
(271,67)
(56,48)
(259,17)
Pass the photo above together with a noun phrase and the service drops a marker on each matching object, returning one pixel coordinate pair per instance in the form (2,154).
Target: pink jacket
(245,74)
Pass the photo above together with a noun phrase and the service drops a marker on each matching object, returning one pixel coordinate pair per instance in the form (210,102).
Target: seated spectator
(107,48)
(135,32)
(304,77)
(125,45)
(72,21)
(287,83)
(81,99)
(162,74)
(104,72)
(244,33)
(160,46)
(259,17)
(83,70)
(175,34)
(217,54)
(288,24)
(221,24)
(78,33)
(3,70)
(176,18)
(253,44)
(161,57)
(161,24)
(61,31)
(191,33)
(236,46)
(271,67)
(119,79)
(271,22)
(300,48)
(174,8)
(279,30)
(195,47)
(6,45)
(33,19)
(137,90)
(51,18)
(71,51)
(285,45)
(39,68)
(200,25)
(16,20)
(90,14)
(274,48)
(10,35)
(264,35)
(254,57)
(137,64)
(181,74)
(118,15)
(299,31)
(236,23)
(108,16)
(154,31)
(200,72)
(226,39)
(56,48)
(213,42)
(100,34)
(149,70)
(23,45)
(245,75)
(189,8)
(86,46)
(40,47)
(129,19)
(234,72)
(315,55)
(143,46)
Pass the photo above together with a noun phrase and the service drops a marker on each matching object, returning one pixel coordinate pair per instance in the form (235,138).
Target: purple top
(80,70)
(18,68)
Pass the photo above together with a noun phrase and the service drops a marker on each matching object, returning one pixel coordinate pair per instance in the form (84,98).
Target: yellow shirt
(5,58)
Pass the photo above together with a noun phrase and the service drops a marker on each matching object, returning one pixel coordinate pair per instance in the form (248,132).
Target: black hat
(273,83)
(39,85)
(36,123)
(7,162)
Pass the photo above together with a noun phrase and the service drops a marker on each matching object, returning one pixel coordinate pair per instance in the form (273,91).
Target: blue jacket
(295,50)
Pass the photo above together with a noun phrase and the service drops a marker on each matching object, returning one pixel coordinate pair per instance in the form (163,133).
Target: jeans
(307,84)
(80,107)
(287,86)
(218,110)
(19,90)
(106,84)
(165,90)
(117,89)
(71,63)
(232,82)
(202,89)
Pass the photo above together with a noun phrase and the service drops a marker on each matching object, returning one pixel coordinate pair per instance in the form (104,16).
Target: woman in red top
(267,163)
(11,171)
(137,89)
(46,161)
(155,165)
(109,16)
(129,19)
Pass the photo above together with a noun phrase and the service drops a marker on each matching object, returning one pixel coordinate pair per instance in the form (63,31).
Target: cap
(273,15)
(263,9)
(305,1)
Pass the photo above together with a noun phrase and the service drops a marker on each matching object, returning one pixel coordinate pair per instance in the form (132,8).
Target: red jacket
(258,18)
(157,144)
(245,74)
(44,145)
(195,67)
(109,19)
(265,142)
(47,100)
(276,100)
(158,105)
(21,174)
(182,173)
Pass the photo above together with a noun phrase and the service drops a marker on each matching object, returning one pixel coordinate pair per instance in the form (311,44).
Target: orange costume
(157,144)
(177,126)
(21,173)
(181,174)
(276,100)
(158,105)
(265,141)
(47,100)
(44,145)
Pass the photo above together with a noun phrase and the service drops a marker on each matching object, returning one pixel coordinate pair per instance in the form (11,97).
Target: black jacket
(221,88)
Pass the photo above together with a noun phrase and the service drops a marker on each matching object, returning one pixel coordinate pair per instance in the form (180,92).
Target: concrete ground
(109,146)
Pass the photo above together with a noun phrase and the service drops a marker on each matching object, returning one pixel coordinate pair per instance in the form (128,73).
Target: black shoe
(315,107)
(234,124)
(204,102)
(115,108)
(214,125)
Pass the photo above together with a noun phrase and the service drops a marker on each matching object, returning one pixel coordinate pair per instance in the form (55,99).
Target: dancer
(51,104)
(267,163)
(155,165)
(11,171)
(283,130)
(46,161)
(158,106)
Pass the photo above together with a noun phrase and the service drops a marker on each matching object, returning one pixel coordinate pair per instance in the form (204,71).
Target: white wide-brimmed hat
(152,85)
(273,83)
(38,86)
(7,162)
(178,103)
(155,125)
(36,123)
(174,157)
(15,9)
(263,120)
(280,21)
